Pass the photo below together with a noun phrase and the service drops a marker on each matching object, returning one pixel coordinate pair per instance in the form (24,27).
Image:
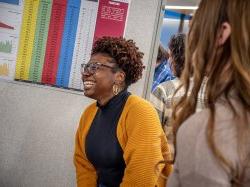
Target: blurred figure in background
(162,69)
(161,97)
(213,146)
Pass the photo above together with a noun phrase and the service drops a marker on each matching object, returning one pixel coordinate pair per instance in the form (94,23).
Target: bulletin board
(46,41)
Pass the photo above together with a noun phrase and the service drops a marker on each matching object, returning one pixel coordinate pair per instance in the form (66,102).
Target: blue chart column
(84,41)
(68,43)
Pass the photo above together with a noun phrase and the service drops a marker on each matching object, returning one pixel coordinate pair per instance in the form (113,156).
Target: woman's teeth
(88,84)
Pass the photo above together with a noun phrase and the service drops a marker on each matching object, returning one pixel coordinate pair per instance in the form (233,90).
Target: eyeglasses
(92,67)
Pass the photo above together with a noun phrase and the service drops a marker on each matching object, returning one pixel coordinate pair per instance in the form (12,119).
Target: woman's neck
(104,100)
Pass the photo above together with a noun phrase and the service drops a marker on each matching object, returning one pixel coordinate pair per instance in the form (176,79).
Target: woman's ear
(224,34)
(120,77)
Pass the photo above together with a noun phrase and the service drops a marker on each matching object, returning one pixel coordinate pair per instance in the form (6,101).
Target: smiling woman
(119,140)
(100,76)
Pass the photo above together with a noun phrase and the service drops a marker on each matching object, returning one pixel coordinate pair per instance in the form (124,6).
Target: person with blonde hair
(213,146)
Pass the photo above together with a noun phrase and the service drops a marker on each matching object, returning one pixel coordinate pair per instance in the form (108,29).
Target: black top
(102,147)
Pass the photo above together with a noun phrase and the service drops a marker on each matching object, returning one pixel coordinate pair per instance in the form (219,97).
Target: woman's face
(98,77)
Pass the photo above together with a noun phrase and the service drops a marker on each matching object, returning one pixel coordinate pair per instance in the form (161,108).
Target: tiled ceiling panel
(182,2)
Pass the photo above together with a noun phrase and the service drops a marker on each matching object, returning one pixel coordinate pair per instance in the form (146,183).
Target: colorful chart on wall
(10,23)
(14,2)
(47,40)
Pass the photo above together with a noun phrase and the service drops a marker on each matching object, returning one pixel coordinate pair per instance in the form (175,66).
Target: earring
(115,89)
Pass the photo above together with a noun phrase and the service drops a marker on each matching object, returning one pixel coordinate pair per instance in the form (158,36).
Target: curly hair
(177,47)
(126,54)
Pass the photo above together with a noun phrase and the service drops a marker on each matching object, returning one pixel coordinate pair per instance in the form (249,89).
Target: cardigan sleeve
(85,172)
(143,149)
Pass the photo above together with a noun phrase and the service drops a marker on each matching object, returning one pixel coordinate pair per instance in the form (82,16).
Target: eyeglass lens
(93,67)
(90,68)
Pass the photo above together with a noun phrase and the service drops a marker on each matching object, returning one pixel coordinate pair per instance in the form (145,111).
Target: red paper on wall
(111,18)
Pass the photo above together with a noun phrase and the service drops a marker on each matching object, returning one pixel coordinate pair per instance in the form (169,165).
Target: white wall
(37,127)
(140,28)
(38,123)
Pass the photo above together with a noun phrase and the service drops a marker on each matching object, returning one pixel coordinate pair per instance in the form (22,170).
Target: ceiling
(183,3)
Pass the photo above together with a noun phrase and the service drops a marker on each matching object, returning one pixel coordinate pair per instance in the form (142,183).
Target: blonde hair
(227,67)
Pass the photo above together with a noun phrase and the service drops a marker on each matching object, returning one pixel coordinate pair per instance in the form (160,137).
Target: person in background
(162,70)
(162,95)
(119,139)
(213,146)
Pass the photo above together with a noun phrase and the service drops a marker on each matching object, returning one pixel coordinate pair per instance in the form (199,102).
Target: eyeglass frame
(86,67)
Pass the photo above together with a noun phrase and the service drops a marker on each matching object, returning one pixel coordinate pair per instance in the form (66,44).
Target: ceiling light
(181,7)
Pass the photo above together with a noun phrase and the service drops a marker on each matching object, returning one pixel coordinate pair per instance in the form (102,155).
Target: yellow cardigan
(143,142)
